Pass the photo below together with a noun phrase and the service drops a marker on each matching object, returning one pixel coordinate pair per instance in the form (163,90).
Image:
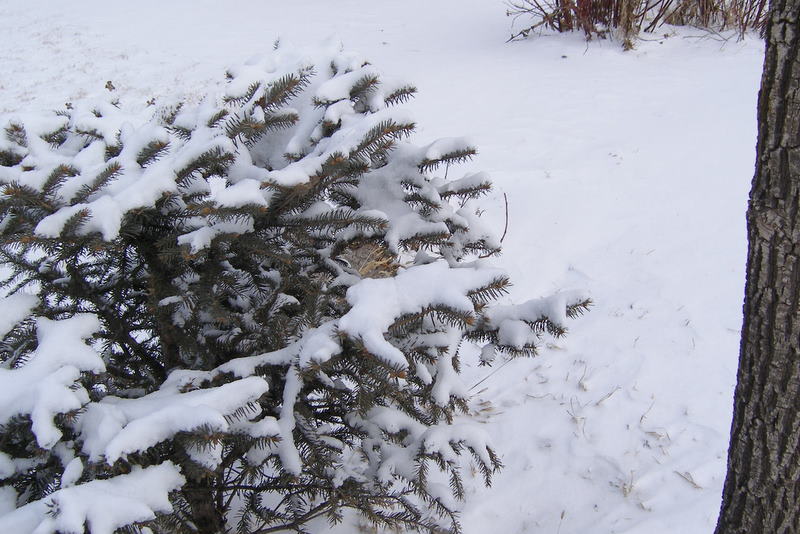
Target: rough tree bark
(762,488)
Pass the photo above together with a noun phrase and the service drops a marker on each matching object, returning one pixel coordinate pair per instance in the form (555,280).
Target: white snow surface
(626,175)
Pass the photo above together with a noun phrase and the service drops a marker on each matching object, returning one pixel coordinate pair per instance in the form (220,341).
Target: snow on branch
(102,506)
(45,385)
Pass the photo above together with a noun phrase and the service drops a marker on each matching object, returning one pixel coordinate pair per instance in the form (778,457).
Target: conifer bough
(245,315)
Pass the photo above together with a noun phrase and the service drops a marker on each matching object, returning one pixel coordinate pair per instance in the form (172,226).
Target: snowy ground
(626,174)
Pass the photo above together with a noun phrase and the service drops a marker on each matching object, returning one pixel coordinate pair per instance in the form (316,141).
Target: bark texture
(207,514)
(762,488)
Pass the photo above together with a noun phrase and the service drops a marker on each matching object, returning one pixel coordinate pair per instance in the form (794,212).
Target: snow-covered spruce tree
(245,314)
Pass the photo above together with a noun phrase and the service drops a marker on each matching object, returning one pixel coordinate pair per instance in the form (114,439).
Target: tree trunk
(206,515)
(762,488)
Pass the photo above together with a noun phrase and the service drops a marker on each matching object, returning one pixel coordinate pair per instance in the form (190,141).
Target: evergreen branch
(247,96)
(213,162)
(427,240)
(466,192)
(57,137)
(424,202)
(334,220)
(284,89)
(16,134)
(91,134)
(180,131)
(168,114)
(490,292)
(106,176)
(400,95)
(456,156)
(74,222)
(215,119)
(251,130)
(10,158)
(363,87)
(379,136)
(21,198)
(152,152)
(112,151)
(577,309)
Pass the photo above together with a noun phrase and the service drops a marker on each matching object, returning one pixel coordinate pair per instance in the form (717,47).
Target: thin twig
(505,228)
(563,513)
(487,377)
(688,478)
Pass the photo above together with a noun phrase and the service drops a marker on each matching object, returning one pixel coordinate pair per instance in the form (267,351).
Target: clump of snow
(46,384)
(72,472)
(115,427)
(8,500)
(15,308)
(290,457)
(377,303)
(6,465)
(339,88)
(101,505)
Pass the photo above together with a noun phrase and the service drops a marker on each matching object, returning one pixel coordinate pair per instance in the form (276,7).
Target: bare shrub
(627,18)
